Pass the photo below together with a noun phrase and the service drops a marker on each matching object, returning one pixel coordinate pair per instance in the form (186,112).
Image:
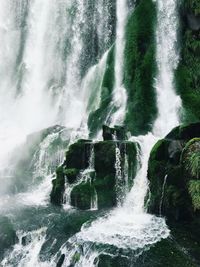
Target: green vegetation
(194,190)
(193,6)
(191,158)
(187,74)
(140,68)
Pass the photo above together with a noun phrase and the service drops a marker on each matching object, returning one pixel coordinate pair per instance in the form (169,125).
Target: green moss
(140,68)
(56,195)
(71,174)
(105,188)
(194,190)
(160,150)
(191,158)
(81,195)
(187,75)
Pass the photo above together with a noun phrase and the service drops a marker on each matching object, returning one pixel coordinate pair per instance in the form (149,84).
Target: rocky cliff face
(173,173)
(91,169)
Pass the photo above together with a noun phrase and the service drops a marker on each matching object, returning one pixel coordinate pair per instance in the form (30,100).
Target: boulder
(173,165)
(101,180)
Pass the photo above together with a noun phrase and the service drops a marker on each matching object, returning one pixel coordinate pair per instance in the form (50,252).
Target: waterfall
(129,226)
(26,252)
(119,93)
(43,50)
(168,102)
(162,195)
(121,175)
(52,64)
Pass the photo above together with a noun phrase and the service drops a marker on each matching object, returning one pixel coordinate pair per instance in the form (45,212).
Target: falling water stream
(54,89)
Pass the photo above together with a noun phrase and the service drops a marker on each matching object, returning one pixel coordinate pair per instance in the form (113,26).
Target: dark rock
(77,156)
(56,195)
(193,22)
(81,195)
(185,132)
(174,150)
(115,133)
(71,175)
(61,261)
(170,181)
(102,180)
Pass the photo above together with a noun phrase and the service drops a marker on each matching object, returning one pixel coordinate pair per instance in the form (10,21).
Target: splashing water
(167,60)
(26,252)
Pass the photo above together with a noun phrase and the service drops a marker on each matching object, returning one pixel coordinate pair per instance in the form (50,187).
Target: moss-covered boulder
(8,235)
(140,67)
(89,170)
(173,166)
(187,75)
(77,156)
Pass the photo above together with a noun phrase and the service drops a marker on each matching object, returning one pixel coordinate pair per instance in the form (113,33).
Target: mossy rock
(77,156)
(187,76)
(140,68)
(56,195)
(191,158)
(102,179)
(106,192)
(71,175)
(185,132)
(81,195)
(105,157)
(168,173)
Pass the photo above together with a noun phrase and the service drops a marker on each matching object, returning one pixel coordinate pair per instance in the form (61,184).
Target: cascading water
(162,195)
(83,177)
(167,60)
(51,82)
(130,226)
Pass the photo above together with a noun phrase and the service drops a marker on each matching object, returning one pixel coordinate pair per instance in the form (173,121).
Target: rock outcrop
(174,172)
(89,170)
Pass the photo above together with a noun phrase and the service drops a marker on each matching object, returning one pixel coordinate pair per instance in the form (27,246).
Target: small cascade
(94,197)
(26,251)
(84,176)
(119,176)
(44,164)
(94,201)
(163,194)
(126,173)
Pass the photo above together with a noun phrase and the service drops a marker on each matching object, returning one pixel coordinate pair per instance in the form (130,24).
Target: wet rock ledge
(89,172)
